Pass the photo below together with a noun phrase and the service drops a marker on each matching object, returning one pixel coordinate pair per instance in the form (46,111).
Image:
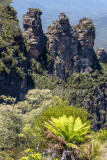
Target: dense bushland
(22,124)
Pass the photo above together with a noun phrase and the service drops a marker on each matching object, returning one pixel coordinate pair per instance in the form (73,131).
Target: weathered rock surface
(71,49)
(86,36)
(34,33)
(102,55)
(63,47)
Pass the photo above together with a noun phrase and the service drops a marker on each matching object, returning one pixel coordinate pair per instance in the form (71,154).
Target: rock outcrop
(34,33)
(63,46)
(102,55)
(86,36)
(71,49)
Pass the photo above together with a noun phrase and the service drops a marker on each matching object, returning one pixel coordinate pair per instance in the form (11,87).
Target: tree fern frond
(78,124)
(70,129)
(70,124)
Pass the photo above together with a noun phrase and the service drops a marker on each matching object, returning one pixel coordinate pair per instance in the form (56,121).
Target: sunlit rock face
(71,48)
(63,46)
(86,36)
(34,33)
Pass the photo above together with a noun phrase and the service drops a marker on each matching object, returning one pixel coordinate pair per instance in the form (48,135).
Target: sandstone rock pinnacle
(86,36)
(69,48)
(63,46)
(33,32)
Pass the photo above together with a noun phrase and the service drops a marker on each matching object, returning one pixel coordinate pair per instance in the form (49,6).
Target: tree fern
(70,129)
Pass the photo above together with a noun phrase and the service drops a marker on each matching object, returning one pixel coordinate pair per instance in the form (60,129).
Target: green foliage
(70,129)
(36,66)
(31,136)
(60,108)
(80,89)
(21,123)
(13,49)
(7,100)
(18,127)
(20,73)
(90,150)
(101,135)
(94,148)
(44,82)
(86,90)
(31,155)
(6,2)
(10,126)
(3,67)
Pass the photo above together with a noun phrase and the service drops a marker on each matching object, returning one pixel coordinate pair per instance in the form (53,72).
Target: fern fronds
(70,129)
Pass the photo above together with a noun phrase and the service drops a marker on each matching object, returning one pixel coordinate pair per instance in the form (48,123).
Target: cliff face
(63,46)
(86,36)
(71,48)
(33,32)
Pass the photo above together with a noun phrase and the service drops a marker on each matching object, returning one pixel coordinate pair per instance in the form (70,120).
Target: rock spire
(33,32)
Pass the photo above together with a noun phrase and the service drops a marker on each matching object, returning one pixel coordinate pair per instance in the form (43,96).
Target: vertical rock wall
(71,48)
(63,46)
(34,33)
(86,36)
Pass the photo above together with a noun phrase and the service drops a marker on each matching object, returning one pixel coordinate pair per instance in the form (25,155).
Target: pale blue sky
(75,9)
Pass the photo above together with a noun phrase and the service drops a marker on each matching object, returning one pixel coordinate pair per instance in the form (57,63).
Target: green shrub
(101,135)
(61,108)
(31,155)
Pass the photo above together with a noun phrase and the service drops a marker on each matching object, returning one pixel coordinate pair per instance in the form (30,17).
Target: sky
(75,9)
